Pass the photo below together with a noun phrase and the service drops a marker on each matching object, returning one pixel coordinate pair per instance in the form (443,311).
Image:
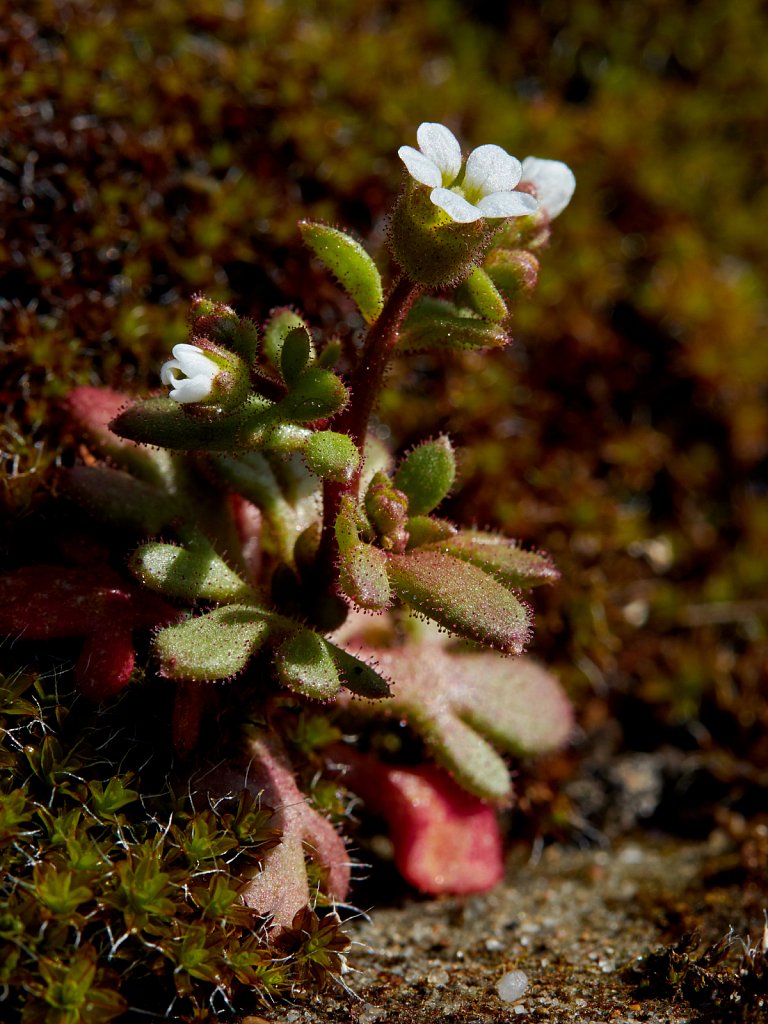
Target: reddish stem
(365,387)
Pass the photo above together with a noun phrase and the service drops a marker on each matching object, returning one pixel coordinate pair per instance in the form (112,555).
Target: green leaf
(217,645)
(193,573)
(500,557)
(426,530)
(295,355)
(119,498)
(14,813)
(315,395)
(483,296)
(460,597)
(426,475)
(350,263)
(362,567)
(276,330)
(331,456)
(163,422)
(56,889)
(438,324)
(107,800)
(359,677)
(304,664)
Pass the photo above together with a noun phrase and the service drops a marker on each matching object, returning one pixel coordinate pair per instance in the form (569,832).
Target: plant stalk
(365,386)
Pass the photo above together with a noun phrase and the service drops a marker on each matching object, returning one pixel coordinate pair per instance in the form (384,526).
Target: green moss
(117,891)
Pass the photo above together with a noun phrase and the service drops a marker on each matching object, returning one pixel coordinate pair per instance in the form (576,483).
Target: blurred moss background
(150,150)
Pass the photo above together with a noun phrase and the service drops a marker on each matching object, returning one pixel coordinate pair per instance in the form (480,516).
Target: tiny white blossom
(554,182)
(190,374)
(487,186)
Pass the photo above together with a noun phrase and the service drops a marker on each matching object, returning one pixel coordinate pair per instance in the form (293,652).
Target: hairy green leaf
(331,456)
(192,573)
(212,646)
(350,263)
(484,297)
(426,475)
(304,664)
(500,557)
(460,597)
(438,324)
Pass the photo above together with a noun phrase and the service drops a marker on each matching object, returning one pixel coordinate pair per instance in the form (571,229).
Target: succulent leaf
(279,888)
(446,840)
(363,577)
(331,455)
(438,324)
(427,530)
(500,557)
(484,297)
(163,422)
(358,676)
(460,597)
(119,498)
(276,330)
(93,409)
(458,702)
(350,263)
(316,394)
(213,646)
(304,664)
(362,567)
(426,475)
(295,354)
(194,573)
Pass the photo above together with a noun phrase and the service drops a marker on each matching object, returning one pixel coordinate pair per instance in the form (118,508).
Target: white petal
(554,182)
(441,146)
(167,376)
(420,167)
(191,389)
(491,169)
(455,206)
(507,204)
(193,361)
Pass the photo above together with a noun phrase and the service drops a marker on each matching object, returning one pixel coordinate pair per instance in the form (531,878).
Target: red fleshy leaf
(106,662)
(41,602)
(280,889)
(445,839)
(94,409)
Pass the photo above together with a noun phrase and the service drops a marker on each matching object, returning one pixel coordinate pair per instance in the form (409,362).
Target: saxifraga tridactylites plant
(265,514)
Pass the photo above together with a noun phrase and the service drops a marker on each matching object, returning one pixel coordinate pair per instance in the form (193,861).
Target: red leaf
(445,839)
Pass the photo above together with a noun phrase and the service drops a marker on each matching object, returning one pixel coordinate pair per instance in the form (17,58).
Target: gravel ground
(574,923)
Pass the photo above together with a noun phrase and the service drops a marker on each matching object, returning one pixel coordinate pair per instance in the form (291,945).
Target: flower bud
(387,508)
(515,272)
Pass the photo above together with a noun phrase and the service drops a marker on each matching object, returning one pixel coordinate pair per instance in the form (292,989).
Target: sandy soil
(575,922)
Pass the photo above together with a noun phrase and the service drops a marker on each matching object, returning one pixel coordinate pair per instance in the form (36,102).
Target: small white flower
(485,190)
(190,374)
(554,182)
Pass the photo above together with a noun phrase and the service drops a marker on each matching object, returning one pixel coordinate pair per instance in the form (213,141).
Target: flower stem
(365,386)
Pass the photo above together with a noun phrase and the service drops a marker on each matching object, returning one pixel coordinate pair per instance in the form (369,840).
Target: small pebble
(512,986)
(370,1014)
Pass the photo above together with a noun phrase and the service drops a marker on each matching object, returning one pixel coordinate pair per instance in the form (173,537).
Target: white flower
(190,374)
(486,188)
(554,182)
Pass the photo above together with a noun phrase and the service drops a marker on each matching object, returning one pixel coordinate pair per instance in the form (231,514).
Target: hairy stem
(365,385)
